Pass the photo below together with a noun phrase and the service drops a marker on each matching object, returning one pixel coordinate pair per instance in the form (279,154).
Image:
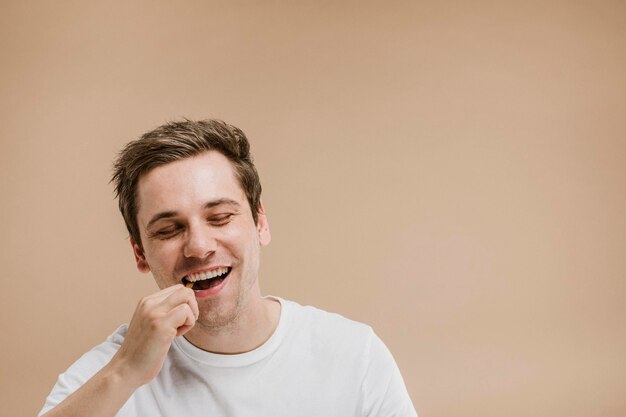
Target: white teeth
(207,275)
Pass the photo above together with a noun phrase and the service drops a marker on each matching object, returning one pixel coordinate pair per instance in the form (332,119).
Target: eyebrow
(208,205)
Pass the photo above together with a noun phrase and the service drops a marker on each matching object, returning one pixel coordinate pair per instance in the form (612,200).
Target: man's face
(195,222)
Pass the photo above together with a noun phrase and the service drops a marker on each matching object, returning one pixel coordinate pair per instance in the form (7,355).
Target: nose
(199,242)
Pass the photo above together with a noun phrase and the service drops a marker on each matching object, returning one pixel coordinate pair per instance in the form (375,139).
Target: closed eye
(167,233)
(221,219)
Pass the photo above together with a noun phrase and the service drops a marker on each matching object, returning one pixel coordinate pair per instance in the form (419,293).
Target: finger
(183,295)
(164,293)
(158,301)
(180,318)
(183,329)
(193,303)
(154,299)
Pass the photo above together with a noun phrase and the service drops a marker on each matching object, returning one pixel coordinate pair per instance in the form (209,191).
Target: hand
(157,320)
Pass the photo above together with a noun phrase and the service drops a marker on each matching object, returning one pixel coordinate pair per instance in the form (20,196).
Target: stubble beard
(219,316)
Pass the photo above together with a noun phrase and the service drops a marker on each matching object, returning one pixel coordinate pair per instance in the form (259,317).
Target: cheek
(238,237)
(242,245)
(160,255)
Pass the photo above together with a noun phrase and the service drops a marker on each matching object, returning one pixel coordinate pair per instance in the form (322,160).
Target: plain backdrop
(452,173)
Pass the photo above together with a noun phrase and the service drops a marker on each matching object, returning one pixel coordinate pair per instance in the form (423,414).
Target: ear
(263,226)
(140,258)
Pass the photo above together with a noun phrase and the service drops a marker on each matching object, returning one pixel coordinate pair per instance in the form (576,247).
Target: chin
(214,315)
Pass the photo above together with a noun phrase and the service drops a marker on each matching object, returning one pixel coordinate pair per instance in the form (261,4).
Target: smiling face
(196,226)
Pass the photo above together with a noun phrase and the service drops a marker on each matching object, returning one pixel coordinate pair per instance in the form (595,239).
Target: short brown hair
(178,140)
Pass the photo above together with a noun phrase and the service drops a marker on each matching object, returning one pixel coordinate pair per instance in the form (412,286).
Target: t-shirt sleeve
(83,369)
(384,392)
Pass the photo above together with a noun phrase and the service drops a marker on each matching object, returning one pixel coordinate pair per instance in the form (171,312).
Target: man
(208,343)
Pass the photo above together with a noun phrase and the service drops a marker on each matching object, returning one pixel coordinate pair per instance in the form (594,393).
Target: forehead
(187,184)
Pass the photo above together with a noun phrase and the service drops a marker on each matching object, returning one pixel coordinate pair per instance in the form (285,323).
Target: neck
(253,326)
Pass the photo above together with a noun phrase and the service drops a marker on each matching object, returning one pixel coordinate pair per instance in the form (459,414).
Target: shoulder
(352,349)
(322,329)
(84,368)
(92,361)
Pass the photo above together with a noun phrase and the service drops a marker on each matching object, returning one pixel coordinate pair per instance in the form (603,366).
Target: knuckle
(154,325)
(152,316)
(145,303)
(141,304)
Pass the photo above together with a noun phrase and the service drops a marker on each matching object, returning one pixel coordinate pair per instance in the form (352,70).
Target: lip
(202,271)
(213,291)
(210,291)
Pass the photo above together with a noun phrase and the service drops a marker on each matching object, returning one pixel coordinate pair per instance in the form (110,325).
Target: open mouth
(206,280)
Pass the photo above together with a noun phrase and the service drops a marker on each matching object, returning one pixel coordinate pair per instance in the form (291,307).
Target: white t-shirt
(315,364)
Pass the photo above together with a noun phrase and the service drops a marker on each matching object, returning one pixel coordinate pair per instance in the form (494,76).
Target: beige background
(451,173)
